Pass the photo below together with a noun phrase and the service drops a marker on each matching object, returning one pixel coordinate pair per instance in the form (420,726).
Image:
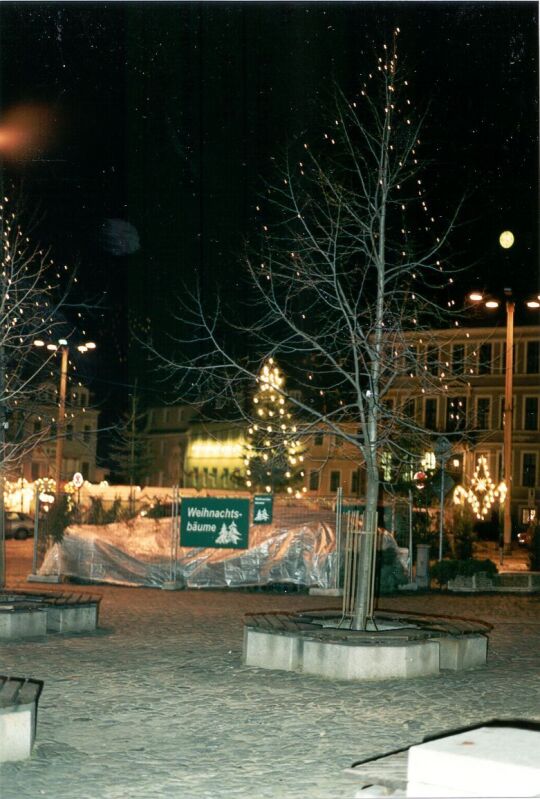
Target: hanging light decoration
(482,492)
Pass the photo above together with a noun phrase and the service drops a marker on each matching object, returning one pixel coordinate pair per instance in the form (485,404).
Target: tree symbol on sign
(229,535)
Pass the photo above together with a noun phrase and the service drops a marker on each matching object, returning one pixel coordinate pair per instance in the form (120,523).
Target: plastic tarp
(138,553)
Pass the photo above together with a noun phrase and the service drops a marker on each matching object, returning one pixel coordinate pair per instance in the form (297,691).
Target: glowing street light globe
(506,239)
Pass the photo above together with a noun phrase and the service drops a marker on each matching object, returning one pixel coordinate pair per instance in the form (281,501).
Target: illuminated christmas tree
(273,459)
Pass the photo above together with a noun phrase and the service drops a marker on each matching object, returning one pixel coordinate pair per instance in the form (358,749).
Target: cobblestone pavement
(158,704)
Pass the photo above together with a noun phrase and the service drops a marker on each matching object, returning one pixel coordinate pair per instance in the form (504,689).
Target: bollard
(422,566)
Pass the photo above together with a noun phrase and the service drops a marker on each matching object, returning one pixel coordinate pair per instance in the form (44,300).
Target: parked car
(19,525)
(524,537)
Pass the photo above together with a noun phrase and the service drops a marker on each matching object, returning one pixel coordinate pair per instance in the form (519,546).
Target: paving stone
(158,704)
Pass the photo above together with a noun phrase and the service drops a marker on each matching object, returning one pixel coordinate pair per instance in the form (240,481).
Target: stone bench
(18,717)
(494,761)
(64,612)
(403,645)
(22,620)
(497,760)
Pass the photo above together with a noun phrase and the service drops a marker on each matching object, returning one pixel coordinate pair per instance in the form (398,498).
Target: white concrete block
(44,578)
(30,623)
(16,734)
(173,585)
(268,650)
(486,762)
(74,619)
(351,661)
(467,652)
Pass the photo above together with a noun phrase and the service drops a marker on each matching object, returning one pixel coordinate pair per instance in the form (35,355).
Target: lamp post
(442,450)
(492,302)
(62,346)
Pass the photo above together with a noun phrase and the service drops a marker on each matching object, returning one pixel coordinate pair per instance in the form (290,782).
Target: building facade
(37,428)
(167,434)
(468,368)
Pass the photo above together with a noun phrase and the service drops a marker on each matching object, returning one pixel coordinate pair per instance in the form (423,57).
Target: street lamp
(442,450)
(492,302)
(63,346)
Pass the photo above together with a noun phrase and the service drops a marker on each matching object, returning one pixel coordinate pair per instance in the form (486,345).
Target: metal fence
(288,513)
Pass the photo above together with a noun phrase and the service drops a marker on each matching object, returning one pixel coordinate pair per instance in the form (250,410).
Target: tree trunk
(366,565)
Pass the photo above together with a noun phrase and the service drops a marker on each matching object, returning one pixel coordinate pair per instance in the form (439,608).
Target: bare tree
(30,303)
(130,450)
(351,272)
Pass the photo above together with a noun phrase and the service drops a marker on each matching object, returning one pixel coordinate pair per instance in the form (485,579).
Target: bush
(474,566)
(464,536)
(58,519)
(534,550)
(98,514)
(446,570)
(390,573)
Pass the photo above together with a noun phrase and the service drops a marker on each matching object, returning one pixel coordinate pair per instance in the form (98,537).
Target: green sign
(217,523)
(262,508)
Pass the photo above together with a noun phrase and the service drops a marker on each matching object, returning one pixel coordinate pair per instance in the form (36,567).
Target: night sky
(168,116)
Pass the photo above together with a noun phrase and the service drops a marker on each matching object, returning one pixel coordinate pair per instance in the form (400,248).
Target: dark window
(37,426)
(356,482)
(85,470)
(456,413)
(501,413)
(69,432)
(531,413)
(335,480)
(86,434)
(53,430)
(528,477)
(387,408)
(432,361)
(34,470)
(411,357)
(458,359)
(484,360)
(533,357)
(483,407)
(314,481)
(430,414)
(318,440)
(225,478)
(409,409)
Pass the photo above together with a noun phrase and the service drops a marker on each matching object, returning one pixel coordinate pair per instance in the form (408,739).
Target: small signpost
(263,505)
(215,523)
(78,482)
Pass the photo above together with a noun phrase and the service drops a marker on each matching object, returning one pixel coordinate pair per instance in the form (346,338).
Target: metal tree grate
(353,542)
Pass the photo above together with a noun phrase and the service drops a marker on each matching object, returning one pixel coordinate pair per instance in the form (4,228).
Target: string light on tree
(482,492)
(273,456)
